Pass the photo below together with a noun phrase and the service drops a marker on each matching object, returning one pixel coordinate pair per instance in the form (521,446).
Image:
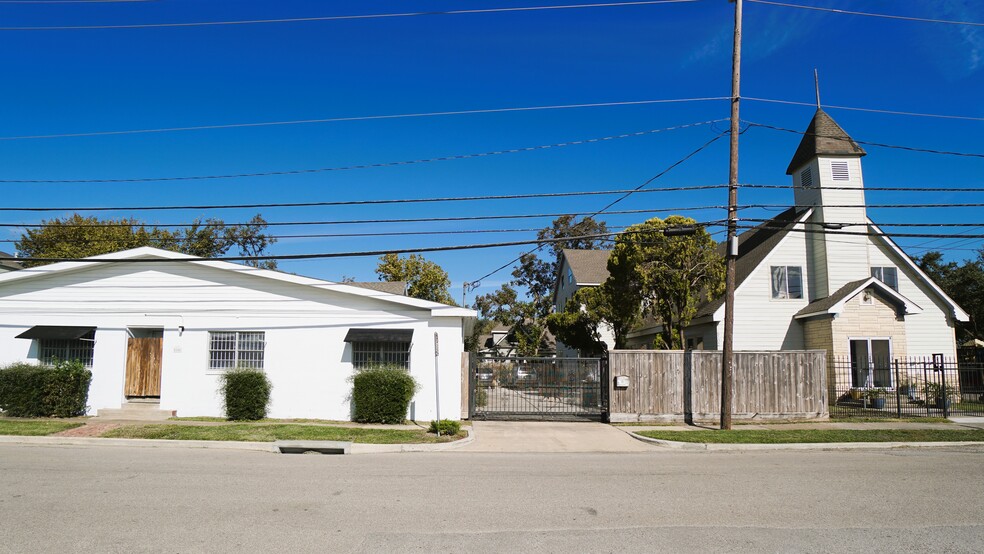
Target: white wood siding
(764,323)
(931,331)
(305,354)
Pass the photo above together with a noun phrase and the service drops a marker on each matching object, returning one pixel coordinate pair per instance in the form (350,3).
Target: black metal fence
(538,388)
(912,387)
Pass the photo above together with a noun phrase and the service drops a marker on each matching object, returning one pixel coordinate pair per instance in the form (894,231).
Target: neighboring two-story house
(821,275)
(577,269)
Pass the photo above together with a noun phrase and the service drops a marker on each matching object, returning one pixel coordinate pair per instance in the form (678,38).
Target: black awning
(57,332)
(379,335)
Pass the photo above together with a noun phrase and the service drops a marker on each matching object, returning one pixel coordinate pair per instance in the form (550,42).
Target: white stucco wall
(305,355)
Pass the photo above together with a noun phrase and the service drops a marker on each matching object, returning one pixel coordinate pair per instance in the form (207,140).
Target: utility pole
(728,358)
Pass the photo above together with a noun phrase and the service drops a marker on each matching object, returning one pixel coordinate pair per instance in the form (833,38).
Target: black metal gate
(538,388)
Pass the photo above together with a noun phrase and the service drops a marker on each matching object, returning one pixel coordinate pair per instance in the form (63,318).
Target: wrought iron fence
(518,387)
(912,387)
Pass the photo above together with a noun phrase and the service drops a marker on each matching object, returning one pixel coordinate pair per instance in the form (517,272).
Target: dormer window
(806,178)
(839,171)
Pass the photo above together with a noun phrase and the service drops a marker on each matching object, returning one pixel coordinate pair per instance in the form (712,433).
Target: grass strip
(270,433)
(792,436)
(35,428)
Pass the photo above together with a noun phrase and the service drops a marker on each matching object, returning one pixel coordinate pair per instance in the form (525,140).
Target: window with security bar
(229,349)
(81,349)
(369,354)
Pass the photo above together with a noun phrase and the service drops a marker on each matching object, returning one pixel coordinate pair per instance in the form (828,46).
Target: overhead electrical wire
(647,182)
(869,110)
(867,14)
(346,17)
(368,166)
(203,224)
(361,118)
(867,143)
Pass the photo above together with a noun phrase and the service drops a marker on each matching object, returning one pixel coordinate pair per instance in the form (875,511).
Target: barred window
(81,349)
(229,349)
(366,354)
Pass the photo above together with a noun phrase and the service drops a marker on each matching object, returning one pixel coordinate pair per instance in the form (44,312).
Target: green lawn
(269,433)
(817,435)
(34,427)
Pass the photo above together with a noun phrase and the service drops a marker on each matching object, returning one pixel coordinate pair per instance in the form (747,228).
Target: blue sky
(78,81)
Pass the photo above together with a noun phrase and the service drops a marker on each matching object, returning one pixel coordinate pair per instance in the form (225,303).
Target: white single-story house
(163,330)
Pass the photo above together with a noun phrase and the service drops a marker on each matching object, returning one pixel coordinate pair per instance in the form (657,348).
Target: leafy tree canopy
(525,302)
(425,279)
(964,283)
(79,237)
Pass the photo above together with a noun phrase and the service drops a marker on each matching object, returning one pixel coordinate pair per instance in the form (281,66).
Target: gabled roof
(150,253)
(590,267)
(754,246)
(834,304)
(9,265)
(824,137)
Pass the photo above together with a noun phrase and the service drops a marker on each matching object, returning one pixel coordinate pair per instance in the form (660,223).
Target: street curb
(224,445)
(677,445)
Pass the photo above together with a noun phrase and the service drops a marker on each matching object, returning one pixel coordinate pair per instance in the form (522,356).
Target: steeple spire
(824,137)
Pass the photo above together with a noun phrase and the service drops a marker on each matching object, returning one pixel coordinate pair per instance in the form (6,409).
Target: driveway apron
(551,436)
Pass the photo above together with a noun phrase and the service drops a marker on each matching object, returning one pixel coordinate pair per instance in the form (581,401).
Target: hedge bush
(245,394)
(39,390)
(382,394)
(448,427)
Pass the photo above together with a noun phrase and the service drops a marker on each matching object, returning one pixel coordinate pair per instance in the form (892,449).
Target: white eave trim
(436,308)
(838,308)
(958,313)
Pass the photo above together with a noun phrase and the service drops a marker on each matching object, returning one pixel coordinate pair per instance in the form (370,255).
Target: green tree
(525,302)
(650,273)
(79,237)
(425,279)
(964,283)
(674,273)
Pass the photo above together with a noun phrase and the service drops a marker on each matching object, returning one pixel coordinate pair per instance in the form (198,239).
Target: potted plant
(939,396)
(875,397)
(855,393)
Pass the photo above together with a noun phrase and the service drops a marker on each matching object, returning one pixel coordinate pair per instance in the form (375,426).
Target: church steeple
(824,137)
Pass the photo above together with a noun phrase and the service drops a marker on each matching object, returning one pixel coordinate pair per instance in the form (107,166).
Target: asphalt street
(120,499)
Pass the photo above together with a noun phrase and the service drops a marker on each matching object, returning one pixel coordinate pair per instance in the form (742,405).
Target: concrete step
(140,410)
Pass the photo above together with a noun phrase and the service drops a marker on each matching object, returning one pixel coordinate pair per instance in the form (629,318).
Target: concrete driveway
(551,436)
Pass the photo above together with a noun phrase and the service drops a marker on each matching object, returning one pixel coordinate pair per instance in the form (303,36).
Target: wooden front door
(143,366)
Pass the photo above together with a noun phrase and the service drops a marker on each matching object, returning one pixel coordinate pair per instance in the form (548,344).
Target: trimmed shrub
(38,390)
(245,394)
(382,394)
(447,426)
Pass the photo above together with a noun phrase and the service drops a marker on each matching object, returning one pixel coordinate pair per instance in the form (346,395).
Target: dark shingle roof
(753,246)
(391,287)
(824,137)
(824,304)
(8,264)
(589,266)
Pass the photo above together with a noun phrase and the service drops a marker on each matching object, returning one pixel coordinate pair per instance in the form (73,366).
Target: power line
(880,206)
(205,224)
(362,118)
(320,255)
(872,188)
(868,14)
(354,202)
(868,143)
(862,233)
(344,235)
(346,17)
(869,110)
(880,224)
(368,166)
(648,181)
